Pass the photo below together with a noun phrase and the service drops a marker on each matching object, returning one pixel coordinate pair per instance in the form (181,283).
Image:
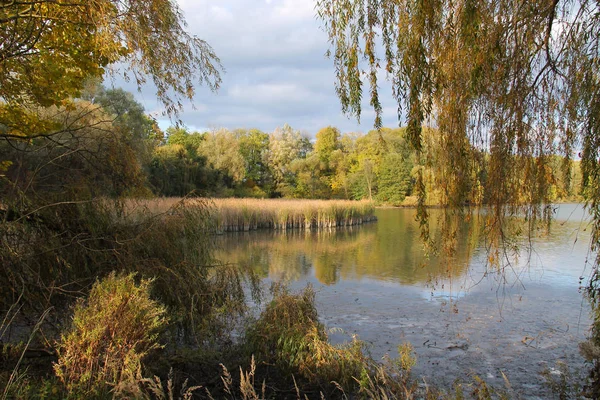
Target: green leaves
(50,48)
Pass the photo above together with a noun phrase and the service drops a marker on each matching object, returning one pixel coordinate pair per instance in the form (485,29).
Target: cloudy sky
(276,70)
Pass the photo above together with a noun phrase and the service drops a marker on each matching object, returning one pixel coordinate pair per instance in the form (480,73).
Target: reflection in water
(375,281)
(391,250)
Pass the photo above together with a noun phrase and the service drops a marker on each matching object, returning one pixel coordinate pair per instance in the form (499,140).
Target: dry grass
(110,335)
(289,334)
(250,214)
(233,215)
(239,215)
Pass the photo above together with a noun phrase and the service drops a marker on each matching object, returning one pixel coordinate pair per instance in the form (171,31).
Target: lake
(463,316)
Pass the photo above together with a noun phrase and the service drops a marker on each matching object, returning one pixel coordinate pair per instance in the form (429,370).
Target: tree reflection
(390,250)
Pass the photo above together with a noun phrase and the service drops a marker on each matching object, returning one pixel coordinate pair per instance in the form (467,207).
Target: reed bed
(237,215)
(240,215)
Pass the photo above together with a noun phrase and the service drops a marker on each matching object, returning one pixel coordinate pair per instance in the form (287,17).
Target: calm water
(463,316)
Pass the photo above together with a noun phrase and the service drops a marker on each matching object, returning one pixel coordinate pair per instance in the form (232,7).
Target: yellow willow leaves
(50,48)
(19,122)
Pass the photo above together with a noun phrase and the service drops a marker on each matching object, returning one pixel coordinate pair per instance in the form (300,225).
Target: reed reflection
(390,249)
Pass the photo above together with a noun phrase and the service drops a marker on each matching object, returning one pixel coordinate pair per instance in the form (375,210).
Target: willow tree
(515,80)
(57,153)
(49,48)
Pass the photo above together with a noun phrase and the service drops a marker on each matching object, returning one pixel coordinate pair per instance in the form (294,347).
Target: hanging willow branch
(49,47)
(504,85)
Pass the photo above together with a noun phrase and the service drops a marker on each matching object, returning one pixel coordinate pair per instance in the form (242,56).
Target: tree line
(379,165)
(110,147)
(283,163)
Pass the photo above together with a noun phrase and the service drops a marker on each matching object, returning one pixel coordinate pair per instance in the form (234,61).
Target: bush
(111,333)
(288,333)
(57,251)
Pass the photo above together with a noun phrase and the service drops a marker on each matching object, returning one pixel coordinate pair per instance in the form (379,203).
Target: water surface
(463,314)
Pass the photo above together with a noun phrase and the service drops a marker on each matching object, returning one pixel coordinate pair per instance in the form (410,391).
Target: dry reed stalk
(233,215)
(242,215)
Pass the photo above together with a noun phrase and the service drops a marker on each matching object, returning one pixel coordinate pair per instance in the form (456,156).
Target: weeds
(51,256)
(111,333)
(252,214)
(288,333)
(233,215)
(153,388)
(563,382)
(17,377)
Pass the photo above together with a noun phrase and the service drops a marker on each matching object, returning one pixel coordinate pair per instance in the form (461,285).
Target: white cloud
(269,93)
(273,52)
(221,14)
(295,9)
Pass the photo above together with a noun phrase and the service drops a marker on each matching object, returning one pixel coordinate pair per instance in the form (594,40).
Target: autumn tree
(517,80)
(182,136)
(222,152)
(394,181)
(137,129)
(48,48)
(327,142)
(254,148)
(177,168)
(311,177)
(88,155)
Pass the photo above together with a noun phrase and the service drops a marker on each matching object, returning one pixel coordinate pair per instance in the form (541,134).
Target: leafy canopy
(517,78)
(49,48)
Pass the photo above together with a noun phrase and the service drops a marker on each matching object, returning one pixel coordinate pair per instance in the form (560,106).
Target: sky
(276,72)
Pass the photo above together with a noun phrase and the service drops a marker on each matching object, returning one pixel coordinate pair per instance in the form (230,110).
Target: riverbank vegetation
(233,215)
(243,215)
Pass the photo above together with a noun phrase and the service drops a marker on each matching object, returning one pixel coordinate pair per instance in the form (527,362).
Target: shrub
(57,251)
(288,333)
(110,335)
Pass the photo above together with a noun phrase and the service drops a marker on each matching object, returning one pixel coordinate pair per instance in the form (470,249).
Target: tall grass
(289,334)
(233,215)
(53,255)
(110,335)
(240,215)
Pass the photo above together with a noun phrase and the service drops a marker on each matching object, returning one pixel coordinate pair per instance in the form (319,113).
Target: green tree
(327,142)
(222,152)
(285,145)
(339,179)
(48,48)
(89,155)
(254,148)
(363,180)
(139,131)
(394,180)
(365,161)
(342,161)
(177,167)
(311,180)
(182,136)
